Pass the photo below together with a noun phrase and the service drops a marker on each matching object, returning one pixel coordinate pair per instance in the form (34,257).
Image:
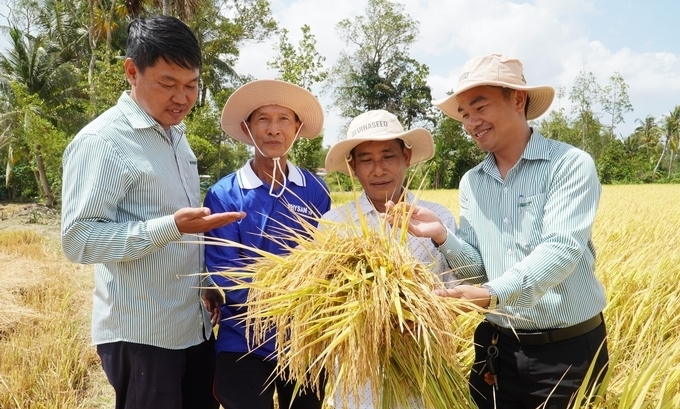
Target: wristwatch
(493,297)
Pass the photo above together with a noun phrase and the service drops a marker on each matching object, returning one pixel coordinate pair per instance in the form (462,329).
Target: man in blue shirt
(525,235)
(269,115)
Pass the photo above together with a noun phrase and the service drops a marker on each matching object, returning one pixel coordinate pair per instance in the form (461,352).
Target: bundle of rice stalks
(352,304)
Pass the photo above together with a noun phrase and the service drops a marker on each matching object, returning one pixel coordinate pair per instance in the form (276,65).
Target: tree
(584,93)
(377,72)
(183,8)
(615,101)
(220,38)
(31,78)
(302,66)
(645,137)
(671,129)
(456,153)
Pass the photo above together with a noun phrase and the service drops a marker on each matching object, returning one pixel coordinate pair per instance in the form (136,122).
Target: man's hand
(199,220)
(422,223)
(213,299)
(477,295)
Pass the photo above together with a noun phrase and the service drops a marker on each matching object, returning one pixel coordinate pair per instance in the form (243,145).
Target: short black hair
(508,91)
(163,37)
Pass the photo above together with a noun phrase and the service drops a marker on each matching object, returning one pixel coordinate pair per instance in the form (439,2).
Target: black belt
(555,335)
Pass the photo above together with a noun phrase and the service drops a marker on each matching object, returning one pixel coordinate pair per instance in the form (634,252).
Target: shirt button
(505,189)
(448,251)
(509,251)
(505,220)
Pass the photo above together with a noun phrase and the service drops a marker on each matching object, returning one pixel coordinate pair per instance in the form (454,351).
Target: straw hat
(253,95)
(379,125)
(501,71)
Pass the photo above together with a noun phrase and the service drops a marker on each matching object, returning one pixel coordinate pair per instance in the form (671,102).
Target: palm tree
(671,128)
(30,78)
(646,135)
(185,8)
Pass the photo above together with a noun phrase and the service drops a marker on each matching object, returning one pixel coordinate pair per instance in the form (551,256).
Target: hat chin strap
(277,161)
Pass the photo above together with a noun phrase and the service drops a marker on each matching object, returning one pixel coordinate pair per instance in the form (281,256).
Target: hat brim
(418,139)
(259,93)
(540,99)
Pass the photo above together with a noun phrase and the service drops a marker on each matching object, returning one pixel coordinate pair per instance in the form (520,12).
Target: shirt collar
(247,179)
(538,148)
(138,118)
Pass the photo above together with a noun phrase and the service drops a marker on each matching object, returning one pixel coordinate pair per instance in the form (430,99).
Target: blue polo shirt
(305,195)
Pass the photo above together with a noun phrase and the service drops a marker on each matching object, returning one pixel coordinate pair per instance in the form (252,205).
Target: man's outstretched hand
(477,295)
(422,223)
(200,220)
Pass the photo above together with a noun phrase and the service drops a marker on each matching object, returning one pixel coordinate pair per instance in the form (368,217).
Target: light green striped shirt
(123,181)
(529,236)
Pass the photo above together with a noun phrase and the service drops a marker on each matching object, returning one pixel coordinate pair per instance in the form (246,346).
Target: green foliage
(339,182)
(216,156)
(302,66)
(615,101)
(377,71)
(455,154)
(221,37)
(64,66)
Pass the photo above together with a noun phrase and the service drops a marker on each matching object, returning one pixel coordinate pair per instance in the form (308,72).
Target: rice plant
(355,306)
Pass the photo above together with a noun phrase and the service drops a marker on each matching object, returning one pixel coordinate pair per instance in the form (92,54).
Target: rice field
(46,360)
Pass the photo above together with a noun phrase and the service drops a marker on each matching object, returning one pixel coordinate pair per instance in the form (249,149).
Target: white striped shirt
(529,236)
(422,250)
(123,181)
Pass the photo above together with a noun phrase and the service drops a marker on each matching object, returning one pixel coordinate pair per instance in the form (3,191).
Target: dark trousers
(148,377)
(245,382)
(529,376)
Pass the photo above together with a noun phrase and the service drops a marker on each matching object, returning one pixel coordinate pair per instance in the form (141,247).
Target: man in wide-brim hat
(377,151)
(268,115)
(526,218)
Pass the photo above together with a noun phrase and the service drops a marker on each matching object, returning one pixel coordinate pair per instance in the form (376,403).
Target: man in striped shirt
(130,206)
(526,220)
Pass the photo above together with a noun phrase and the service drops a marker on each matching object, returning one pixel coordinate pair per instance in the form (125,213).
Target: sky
(554,39)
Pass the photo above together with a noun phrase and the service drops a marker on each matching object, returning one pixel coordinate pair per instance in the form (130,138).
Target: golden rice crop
(354,304)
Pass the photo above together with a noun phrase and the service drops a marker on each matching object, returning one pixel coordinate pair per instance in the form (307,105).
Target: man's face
(273,129)
(381,167)
(165,91)
(492,118)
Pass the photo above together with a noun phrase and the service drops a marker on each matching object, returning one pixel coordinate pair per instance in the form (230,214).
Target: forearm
(86,241)
(463,259)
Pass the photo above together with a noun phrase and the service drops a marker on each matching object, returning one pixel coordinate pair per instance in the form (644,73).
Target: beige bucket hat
(501,71)
(378,125)
(248,97)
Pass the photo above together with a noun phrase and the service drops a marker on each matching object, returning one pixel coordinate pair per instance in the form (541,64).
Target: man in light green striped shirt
(526,220)
(130,202)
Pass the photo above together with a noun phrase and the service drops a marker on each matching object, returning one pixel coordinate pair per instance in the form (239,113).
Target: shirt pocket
(188,167)
(531,221)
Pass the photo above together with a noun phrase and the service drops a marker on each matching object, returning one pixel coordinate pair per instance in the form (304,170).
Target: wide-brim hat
(500,71)
(378,125)
(253,95)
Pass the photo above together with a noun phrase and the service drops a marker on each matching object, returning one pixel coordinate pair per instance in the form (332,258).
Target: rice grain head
(356,307)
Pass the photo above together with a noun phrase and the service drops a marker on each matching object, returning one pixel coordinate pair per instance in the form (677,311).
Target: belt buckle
(533,338)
